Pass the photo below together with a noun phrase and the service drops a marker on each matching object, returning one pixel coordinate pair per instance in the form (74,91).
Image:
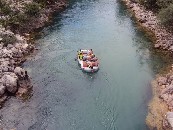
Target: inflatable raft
(87,61)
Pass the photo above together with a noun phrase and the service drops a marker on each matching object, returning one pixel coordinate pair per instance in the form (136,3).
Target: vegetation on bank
(8,39)
(21,15)
(163,8)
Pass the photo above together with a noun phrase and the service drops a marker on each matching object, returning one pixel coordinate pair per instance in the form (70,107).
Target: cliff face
(19,18)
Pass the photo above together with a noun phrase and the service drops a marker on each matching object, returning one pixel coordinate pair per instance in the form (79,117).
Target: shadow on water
(156,59)
(122,11)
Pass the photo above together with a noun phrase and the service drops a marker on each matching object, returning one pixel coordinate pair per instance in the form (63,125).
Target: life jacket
(80,57)
(79,52)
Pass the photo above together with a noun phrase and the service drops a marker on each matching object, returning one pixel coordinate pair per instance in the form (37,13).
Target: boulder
(3,99)
(19,38)
(16,52)
(6,53)
(22,92)
(168,89)
(19,72)
(25,83)
(165,97)
(9,46)
(171,77)
(1,45)
(157,45)
(162,80)
(169,116)
(171,48)
(25,46)
(10,81)
(6,66)
(142,20)
(2,89)
(18,45)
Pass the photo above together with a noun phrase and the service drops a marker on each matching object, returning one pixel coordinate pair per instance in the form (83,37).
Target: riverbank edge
(14,80)
(160,108)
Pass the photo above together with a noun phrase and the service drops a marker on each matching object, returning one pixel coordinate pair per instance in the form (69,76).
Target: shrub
(8,39)
(163,3)
(45,2)
(166,15)
(32,9)
(149,4)
(155,4)
(4,8)
(17,19)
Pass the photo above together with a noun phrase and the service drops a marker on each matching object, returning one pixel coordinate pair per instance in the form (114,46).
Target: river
(65,98)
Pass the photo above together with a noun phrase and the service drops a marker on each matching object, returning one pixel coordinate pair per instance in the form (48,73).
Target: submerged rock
(22,93)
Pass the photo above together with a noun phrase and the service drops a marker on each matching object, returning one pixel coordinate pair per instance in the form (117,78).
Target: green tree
(4,8)
(32,9)
(166,15)
(8,39)
(149,4)
(163,3)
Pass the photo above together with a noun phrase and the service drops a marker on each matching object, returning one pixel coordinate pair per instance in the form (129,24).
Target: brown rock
(162,80)
(2,89)
(10,81)
(168,89)
(169,116)
(157,45)
(19,72)
(22,92)
(3,99)
(165,97)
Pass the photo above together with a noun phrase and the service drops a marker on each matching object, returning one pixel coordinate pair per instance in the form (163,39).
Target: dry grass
(157,109)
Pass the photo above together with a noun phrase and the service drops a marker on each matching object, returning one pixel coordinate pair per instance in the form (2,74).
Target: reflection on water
(65,98)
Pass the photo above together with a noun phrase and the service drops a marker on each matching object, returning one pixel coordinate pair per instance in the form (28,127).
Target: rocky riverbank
(15,45)
(13,79)
(160,115)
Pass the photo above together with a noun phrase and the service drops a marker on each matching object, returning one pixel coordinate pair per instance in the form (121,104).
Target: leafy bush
(45,2)
(17,19)
(4,8)
(149,4)
(8,39)
(155,4)
(164,9)
(166,15)
(163,3)
(32,9)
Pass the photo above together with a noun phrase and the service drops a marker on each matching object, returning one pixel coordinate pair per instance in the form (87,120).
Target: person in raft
(90,64)
(90,58)
(87,52)
(91,51)
(80,56)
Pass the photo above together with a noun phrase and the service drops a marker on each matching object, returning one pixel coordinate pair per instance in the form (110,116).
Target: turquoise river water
(65,98)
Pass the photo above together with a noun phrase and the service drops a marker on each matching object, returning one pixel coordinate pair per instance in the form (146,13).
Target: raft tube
(88,69)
